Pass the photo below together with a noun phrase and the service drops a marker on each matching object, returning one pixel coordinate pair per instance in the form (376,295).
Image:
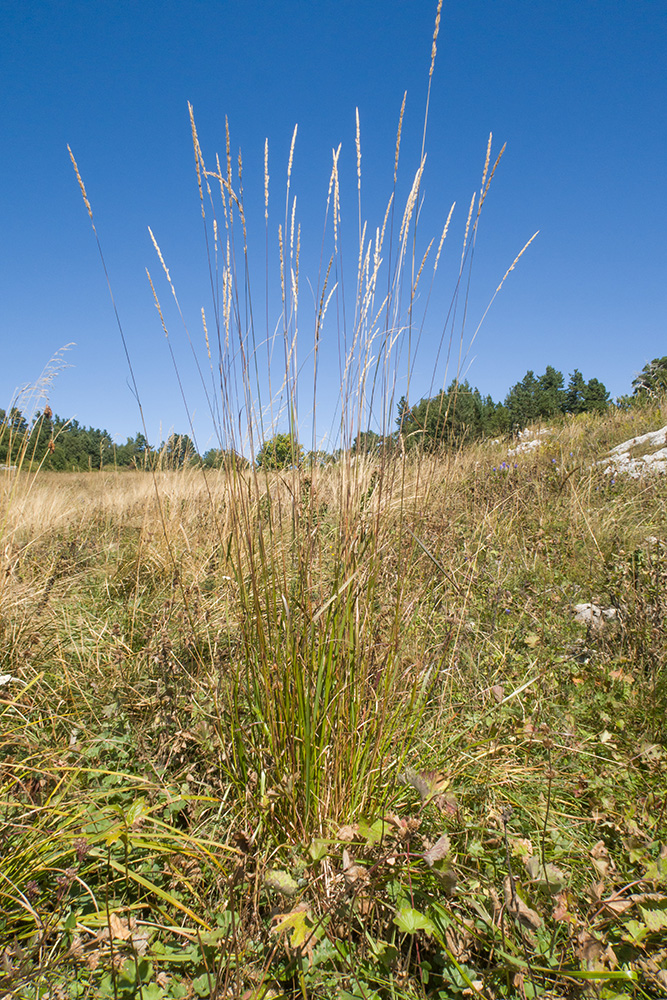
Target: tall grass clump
(324,680)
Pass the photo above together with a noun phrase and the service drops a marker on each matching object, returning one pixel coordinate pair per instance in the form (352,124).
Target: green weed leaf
(410,921)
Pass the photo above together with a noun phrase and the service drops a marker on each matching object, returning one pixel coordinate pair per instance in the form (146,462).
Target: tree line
(453,417)
(51,442)
(461,413)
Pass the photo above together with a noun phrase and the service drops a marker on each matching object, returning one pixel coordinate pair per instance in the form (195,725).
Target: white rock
(619,460)
(529,439)
(591,614)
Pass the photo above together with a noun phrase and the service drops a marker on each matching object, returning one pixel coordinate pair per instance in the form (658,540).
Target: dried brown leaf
(440,850)
(405,828)
(427,783)
(561,912)
(93,959)
(614,906)
(601,859)
(352,872)
(589,950)
(519,910)
(120,929)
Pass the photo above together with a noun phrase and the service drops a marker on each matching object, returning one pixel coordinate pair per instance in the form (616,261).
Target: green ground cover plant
(312,728)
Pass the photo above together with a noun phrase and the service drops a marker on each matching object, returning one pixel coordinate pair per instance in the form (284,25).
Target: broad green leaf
(372,832)
(298,921)
(635,932)
(137,810)
(202,985)
(318,849)
(410,921)
(152,992)
(655,920)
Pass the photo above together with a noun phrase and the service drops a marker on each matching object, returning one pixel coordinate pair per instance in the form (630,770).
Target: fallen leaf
(281,882)
(595,892)
(76,947)
(521,847)
(448,804)
(546,876)
(561,912)
(601,859)
(519,910)
(439,851)
(447,878)
(404,827)
(618,675)
(615,906)
(120,929)
(427,783)
(243,841)
(351,871)
(589,950)
(649,897)
(93,959)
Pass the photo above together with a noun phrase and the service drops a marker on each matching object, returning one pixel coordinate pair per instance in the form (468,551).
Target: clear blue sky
(577,89)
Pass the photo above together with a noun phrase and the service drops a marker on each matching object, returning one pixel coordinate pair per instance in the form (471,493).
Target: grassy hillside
(336,733)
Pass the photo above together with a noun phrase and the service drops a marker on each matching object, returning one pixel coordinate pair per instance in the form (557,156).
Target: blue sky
(576,89)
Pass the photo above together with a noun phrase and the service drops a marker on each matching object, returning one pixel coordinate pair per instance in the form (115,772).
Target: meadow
(335,732)
(332,730)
